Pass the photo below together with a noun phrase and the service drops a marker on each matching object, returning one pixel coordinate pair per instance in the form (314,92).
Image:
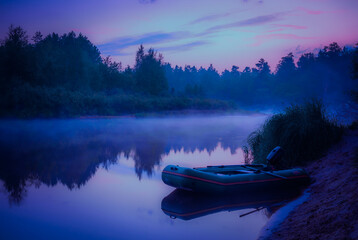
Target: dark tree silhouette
(331,51)
(306,61)
(286,67)
(150,76)
(355,63)
(263,68)
(15,59)
(65,75)
(37,37)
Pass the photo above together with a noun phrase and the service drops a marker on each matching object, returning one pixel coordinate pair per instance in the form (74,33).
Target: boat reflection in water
(187,205)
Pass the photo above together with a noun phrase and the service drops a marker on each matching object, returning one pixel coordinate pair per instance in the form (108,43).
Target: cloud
(260,39)
(318,12)
(118,46)
(290,26)
(210,18)
(259,1)
(308,11)
(116,53)
(260,20)
(146,1)
(276,30)
(150,38)
(183,47)
(283,27)
(299,50)
(213,17)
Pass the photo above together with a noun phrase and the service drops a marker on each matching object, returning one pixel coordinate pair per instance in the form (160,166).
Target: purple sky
(200,32)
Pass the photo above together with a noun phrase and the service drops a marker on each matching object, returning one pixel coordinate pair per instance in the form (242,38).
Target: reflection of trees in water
(71,155)
(146,156)
(72,166)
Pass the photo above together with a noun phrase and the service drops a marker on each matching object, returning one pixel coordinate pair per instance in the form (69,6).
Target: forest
(66,75)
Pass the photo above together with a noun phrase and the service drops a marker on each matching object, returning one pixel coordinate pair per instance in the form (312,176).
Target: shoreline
(331,210)
(175,113)
(159,114)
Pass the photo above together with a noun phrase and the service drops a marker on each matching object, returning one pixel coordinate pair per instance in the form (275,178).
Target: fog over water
(101,178)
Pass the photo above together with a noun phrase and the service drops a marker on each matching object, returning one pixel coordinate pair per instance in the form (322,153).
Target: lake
(101,178)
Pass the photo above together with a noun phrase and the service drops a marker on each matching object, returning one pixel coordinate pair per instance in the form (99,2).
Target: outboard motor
(274,156)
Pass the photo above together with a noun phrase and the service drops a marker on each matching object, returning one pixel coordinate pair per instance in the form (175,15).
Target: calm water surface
(101,178)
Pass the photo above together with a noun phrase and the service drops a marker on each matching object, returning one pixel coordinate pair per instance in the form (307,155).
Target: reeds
(304,132)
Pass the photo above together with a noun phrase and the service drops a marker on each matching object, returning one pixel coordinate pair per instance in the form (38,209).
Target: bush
(304,132)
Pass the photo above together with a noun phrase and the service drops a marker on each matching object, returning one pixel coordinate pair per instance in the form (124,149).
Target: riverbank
(331,210)
(47,102)
(178,113)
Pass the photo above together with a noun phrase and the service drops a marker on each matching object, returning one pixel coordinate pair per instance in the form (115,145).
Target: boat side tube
(203,181)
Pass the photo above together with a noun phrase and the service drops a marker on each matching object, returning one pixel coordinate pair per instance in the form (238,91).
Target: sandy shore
(331,211)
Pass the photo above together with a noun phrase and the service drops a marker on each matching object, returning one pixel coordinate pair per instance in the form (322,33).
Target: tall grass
(304,132)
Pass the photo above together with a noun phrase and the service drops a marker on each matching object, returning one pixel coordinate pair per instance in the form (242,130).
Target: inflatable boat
(232,178)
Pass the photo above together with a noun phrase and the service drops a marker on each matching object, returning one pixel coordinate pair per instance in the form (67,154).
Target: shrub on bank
(304,132)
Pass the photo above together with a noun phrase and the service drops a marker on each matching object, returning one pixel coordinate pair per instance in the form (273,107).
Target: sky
(193,32)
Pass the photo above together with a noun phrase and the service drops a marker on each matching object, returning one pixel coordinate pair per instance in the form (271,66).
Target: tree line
(72,62)
(65,75)
(61,76)
(328,75)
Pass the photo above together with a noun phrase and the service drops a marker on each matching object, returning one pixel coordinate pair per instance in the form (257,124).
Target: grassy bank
(304,132)
(27,102)
(331,209)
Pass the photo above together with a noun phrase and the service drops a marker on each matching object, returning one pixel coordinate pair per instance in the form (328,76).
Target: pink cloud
(260,39)
(309,11)
(290,26)
(276,30)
